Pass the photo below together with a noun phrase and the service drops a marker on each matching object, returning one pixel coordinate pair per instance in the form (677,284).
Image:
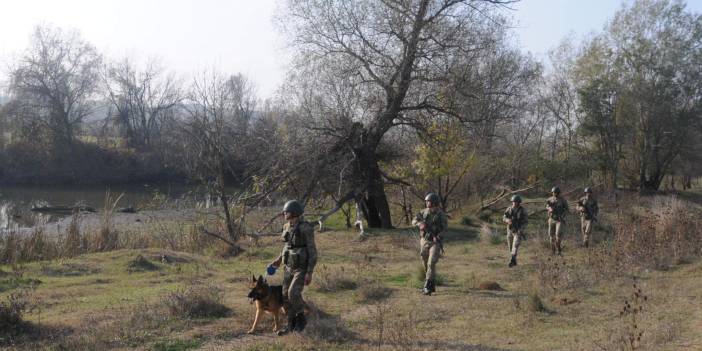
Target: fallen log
(62,209)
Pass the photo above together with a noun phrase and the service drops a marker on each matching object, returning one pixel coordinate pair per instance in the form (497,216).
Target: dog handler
(299,257)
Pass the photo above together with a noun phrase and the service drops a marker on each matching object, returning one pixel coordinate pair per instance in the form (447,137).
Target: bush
(535,304)
(12,308)
(467,221)
(141,264)
(493,237)
(333,280)
(373,291)
(197,302)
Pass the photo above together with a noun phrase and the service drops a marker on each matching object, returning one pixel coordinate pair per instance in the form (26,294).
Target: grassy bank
(365,297)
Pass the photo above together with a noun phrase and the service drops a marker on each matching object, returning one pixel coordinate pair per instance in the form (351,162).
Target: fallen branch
(203,230)
(506,193)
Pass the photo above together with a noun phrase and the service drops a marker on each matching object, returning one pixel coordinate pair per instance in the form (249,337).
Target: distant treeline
(415,96)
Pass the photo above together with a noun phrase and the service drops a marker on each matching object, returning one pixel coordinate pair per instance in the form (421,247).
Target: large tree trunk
(377,211)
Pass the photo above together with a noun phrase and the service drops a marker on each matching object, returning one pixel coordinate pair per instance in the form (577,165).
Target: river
(16,202)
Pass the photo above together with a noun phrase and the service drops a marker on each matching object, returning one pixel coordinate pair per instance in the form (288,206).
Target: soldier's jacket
(591,208)
(518,216)
(560,207)
(436,222)
(300,251)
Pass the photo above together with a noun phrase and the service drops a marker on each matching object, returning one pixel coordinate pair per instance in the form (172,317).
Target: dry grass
(109,308)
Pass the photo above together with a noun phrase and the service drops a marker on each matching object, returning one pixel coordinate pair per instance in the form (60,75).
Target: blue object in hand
(271,269)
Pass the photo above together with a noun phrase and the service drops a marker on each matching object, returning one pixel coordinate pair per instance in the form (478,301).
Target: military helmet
(587,190)
(516,198)
(433,198)
(556,190)
(293,207)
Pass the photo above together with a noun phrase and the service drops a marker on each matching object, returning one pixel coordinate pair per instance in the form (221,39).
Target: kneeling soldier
(587,205)
(516,218)
(557,208)
(299,257)
(432,222)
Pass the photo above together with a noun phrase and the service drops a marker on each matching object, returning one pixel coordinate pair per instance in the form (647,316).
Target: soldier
(299,257)
(516,218)
(557,208)
(432,222)
(587,205)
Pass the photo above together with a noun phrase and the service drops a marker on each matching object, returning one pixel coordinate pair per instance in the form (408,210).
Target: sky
(240,35)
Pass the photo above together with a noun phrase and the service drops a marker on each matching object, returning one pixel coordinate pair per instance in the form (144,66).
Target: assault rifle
(586,210)
(552,206)
(435,238)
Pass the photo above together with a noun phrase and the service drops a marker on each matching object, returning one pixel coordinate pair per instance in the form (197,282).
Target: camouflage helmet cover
(433,198)
(516,198)
(293,207)
(556,190)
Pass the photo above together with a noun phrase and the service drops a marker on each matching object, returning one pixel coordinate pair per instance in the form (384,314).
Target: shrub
(197,302)
(493,237)
(467,221)
(141,264)
(373,291)
(12,308)
(333,280)
(535,304)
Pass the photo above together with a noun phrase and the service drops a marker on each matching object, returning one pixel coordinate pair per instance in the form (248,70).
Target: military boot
(560,253)
(290,327)
(432,286)
(513,261)
(300,322)
(586,243)
(426,290)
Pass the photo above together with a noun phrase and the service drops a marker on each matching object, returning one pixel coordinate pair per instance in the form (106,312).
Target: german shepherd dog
(268,298)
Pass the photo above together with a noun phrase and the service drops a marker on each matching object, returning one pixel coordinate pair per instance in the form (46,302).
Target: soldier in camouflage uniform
(557,208)
(587,205)
(299,257)
(516,218)
(432,221)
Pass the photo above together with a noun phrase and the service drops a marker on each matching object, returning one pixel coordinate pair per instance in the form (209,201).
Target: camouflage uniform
(556,221)
(435,223)
(588,213)
(299,257)
(515,231)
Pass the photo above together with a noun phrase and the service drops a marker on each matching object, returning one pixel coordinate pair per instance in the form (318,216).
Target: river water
(16,202)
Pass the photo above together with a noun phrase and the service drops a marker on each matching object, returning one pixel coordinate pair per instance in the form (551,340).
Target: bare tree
(394,56)
(54,82)
(143,99)
(219,112)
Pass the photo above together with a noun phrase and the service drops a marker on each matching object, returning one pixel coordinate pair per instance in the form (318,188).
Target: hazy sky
(239,35)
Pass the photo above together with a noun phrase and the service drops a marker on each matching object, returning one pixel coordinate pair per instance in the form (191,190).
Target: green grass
(11,283)
(177,345)
(90,289)
(401,279)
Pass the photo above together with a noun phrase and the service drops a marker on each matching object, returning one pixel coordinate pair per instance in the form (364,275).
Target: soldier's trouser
(430,255)
(514,239)
(555,233)
(293,283)
(586,228)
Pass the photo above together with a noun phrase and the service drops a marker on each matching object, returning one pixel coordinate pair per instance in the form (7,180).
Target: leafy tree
(640,89)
